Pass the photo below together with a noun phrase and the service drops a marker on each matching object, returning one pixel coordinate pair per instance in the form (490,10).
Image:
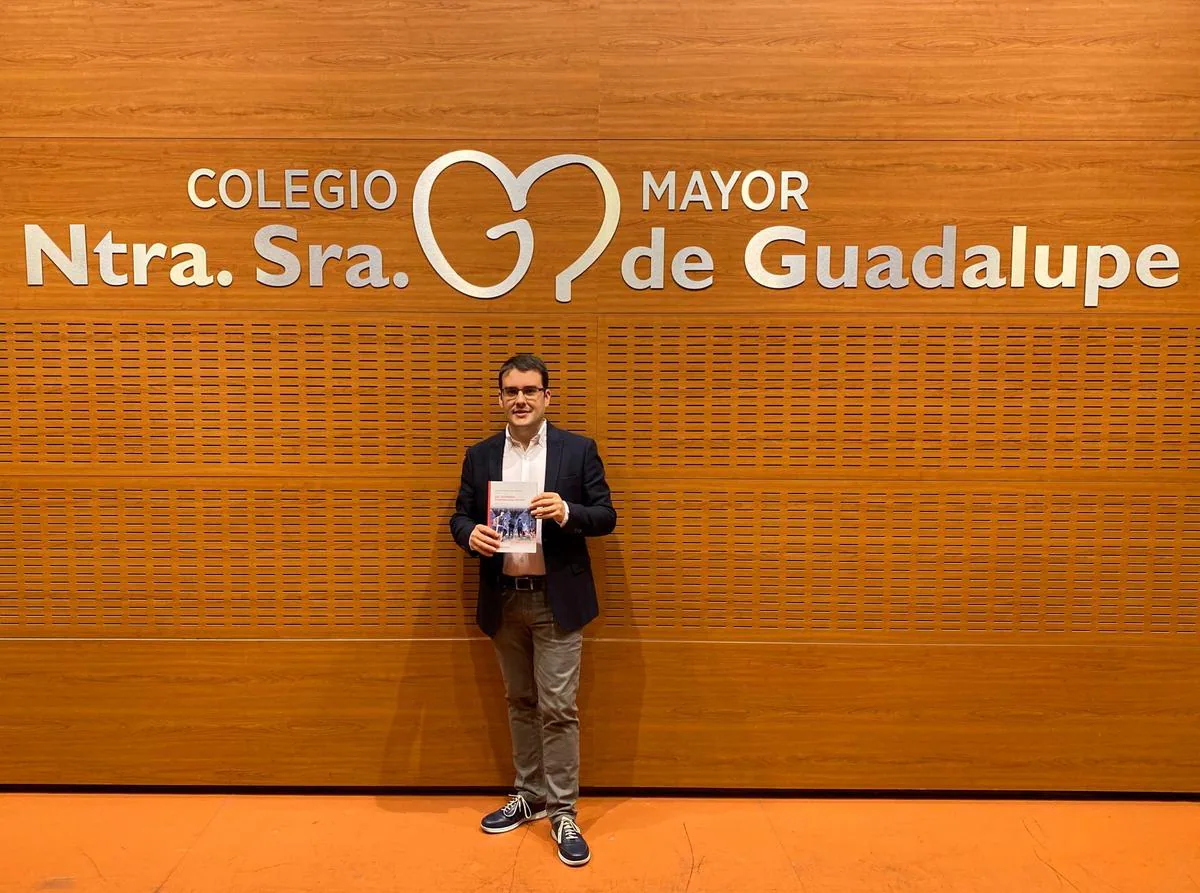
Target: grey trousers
(540,664)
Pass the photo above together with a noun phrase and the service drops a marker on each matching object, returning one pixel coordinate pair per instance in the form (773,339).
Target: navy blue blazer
(573,471)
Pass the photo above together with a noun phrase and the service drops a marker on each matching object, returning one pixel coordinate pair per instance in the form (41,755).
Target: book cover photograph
(509,515)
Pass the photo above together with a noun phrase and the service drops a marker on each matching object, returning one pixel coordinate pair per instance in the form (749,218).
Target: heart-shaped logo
(517,188)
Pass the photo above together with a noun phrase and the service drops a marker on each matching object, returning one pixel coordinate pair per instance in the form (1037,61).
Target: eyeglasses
(530,392)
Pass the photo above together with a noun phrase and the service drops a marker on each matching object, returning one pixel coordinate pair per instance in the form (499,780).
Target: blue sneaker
(513,814)
(572,848)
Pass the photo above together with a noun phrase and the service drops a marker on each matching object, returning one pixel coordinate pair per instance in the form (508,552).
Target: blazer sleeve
(461,522)
(595,516)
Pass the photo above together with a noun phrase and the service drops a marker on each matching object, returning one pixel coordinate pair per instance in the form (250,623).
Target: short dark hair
(523,362)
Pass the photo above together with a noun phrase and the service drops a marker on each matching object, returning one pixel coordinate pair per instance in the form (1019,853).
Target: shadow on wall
(614,678)
(449,726)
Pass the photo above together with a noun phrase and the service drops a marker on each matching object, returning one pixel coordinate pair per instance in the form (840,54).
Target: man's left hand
(549,505)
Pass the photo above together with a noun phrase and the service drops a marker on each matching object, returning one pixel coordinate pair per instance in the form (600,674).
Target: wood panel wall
(868,539)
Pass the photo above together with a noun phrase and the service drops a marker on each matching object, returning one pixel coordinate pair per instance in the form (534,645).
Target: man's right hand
(484,540)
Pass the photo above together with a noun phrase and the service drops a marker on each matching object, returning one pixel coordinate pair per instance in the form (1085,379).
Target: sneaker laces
(516,802)
(567,830)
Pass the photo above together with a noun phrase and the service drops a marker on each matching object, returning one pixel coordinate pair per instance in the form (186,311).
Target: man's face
(525,406)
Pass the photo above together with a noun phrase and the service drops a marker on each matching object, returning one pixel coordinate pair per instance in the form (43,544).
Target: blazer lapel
(554,450)
(496,459)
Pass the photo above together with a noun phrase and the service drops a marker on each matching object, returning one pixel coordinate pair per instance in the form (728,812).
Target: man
(535,605)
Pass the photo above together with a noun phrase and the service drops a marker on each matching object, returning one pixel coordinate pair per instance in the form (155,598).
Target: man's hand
(549,505)
(484,540)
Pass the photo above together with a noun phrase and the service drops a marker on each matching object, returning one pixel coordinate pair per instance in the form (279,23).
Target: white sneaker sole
(565,861)
(541,814)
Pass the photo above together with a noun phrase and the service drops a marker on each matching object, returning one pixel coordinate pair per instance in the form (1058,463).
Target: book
(509,515)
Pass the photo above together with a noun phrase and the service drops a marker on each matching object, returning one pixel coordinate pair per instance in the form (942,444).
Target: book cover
(509,515)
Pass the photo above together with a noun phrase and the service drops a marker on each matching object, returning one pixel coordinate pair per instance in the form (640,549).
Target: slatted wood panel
(865,535)
(214,560)
(209,561)
(191,390)
(929,563)
(767,397)
(1004,396)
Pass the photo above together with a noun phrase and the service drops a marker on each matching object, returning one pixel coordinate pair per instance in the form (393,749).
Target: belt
(525,584)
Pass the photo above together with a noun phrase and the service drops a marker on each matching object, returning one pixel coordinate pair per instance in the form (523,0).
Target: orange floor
(228,844)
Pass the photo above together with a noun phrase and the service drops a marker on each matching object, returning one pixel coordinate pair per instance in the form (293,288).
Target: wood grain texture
(986,69)
(1132,194)
(267,394)
(794,716)
(930,538)
(968,70)
(835,560)
(300,69)
(776,400)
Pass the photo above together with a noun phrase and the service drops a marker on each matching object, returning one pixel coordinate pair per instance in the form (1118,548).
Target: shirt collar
(537,439)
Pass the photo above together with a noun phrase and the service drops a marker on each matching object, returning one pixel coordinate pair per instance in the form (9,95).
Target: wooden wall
(868,539)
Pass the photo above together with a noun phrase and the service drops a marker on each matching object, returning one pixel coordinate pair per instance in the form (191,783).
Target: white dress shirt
(526,464)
